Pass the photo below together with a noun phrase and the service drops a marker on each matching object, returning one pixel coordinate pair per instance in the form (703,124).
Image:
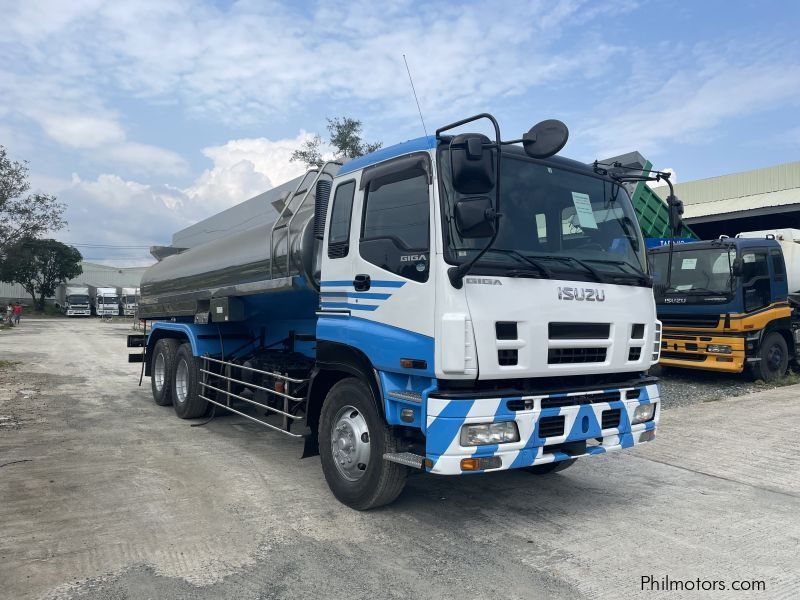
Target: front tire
(186,385)
(774,356)
(162,370)
(353,438)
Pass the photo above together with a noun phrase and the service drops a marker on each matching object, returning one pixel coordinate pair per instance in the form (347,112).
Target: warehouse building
(767,198)
(93,274)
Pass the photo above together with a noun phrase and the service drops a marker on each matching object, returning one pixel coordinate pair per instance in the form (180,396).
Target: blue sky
(147,116)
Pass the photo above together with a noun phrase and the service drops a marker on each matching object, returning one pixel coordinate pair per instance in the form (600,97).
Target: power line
(110,246)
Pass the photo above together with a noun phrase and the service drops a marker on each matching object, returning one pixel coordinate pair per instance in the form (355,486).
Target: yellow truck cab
(726,304)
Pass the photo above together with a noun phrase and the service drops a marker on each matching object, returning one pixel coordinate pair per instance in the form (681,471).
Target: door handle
(362,283)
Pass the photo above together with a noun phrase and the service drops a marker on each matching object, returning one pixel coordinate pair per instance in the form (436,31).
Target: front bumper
(689,351)
(581,423)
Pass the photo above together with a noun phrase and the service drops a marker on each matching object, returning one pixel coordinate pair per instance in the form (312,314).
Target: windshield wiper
(531,261)
(698,291)
(637,273)
(595,273)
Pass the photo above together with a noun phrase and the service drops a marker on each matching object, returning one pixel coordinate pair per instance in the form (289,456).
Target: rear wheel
(162,369)
(353,438)
(774,356)
(553,467)
(186,385)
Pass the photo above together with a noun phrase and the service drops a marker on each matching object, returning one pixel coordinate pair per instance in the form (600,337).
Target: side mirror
(475,217)
(736,267)
(545,139)
(675,214)
(473,164)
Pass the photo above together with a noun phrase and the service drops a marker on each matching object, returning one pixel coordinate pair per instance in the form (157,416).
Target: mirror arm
(457,274)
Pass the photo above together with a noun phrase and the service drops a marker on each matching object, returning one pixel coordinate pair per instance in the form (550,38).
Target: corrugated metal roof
(761,188)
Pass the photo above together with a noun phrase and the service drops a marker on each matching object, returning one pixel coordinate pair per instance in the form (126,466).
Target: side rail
(221,387)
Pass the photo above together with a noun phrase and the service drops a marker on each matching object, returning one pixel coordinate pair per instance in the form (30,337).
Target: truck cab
(107,302)
(77,302)
(725,306)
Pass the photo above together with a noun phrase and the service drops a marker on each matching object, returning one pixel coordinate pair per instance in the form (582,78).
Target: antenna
(415,97)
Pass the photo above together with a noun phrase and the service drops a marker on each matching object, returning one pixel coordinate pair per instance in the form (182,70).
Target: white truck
(129,300)
(452,304)
(107,302)
(74,300)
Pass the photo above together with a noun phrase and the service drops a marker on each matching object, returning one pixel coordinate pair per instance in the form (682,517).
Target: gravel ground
(681,387)
(106,496)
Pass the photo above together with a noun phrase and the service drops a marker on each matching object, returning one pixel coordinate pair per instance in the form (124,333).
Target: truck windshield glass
(108,299)
(696,271)
(79,299)
(565,220)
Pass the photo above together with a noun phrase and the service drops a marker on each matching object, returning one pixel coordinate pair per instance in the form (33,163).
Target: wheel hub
(181,381)
(350,443)
(159,370)
(774,357)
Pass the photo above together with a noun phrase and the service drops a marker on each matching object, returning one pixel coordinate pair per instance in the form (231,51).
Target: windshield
(697,271)
(107,300)
(564,220)
(75,299)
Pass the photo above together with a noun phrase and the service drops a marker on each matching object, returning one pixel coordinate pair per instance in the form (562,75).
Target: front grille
(634,354)
(551,426)
(690,320)
(633,394)
(578,331)
(560,356)
(578,399)
(683,356)
(507,358)
(506,330)
(611,418)
(637,331)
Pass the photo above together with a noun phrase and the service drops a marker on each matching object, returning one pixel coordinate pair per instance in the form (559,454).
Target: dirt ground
(104,495)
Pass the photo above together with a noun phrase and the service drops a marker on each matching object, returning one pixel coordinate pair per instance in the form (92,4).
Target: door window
(755,279)
(395,233)
(339,233)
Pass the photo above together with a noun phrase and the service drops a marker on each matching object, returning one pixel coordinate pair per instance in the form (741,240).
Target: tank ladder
(289,212)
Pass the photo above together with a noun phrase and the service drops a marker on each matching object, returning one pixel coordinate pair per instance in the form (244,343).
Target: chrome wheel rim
(159,371)
(350,443)
(181,381)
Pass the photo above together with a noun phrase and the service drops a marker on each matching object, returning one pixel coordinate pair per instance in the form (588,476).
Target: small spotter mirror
(545,139)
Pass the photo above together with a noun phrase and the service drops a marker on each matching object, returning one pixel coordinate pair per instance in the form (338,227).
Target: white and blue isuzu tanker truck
(453,304)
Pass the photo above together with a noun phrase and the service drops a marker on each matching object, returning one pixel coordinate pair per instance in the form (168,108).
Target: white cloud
(690,105)
(82,131)
(147,159)
(245,167)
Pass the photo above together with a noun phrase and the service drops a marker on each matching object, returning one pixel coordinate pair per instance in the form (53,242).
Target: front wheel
(774,356)
(353,438)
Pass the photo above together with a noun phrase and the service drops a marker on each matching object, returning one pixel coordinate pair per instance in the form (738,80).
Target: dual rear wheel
(175,379)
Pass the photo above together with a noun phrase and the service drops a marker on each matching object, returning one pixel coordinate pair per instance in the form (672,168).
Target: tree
(309,153)
(345,137)
(24,215)
(40,266)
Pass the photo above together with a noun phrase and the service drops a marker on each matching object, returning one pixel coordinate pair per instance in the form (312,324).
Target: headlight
(643,413)
(718,348)
(480,434)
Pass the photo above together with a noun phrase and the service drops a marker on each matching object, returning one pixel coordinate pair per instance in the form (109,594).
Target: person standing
(10,314)
(17,313)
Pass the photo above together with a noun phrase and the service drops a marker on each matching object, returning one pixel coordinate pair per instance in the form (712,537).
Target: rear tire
(353,438)
(186,385)
(162,370)
(553,467)
(774,356)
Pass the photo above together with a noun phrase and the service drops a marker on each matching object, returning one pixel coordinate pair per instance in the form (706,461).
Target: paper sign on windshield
(583,210)
(689,264)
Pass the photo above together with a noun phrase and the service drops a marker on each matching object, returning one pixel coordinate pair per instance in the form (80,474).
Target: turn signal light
(481,464)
